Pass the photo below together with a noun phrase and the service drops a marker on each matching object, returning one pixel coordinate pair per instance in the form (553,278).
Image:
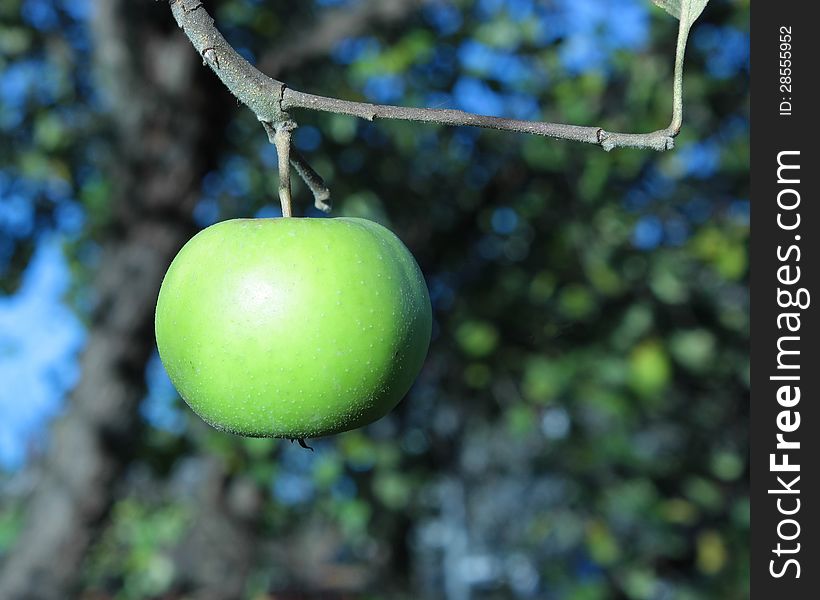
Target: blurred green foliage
(582,417)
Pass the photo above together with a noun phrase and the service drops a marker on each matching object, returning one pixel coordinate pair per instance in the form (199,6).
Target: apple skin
(293,327)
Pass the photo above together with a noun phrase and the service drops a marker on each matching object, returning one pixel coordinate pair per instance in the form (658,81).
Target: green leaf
(477,338)
(712,553)
(677,8)
(649,368)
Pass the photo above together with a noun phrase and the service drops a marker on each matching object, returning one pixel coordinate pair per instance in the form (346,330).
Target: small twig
(260,93)
(314,181)
(677,90)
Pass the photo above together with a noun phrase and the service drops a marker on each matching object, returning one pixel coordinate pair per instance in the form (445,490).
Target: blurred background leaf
(580,426)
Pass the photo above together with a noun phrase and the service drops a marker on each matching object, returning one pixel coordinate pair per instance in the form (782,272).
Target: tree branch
(270,99)
(656,140)
(253,88)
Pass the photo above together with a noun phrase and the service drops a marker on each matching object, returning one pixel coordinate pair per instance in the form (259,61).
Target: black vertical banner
(785,428)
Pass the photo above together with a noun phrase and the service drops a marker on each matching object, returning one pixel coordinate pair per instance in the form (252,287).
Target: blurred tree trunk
(167,117)
(166,136)
(216,556)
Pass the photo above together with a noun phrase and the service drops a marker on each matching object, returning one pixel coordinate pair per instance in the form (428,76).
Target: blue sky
(40,338)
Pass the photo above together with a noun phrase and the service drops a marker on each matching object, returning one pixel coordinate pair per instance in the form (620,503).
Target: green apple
(293,328)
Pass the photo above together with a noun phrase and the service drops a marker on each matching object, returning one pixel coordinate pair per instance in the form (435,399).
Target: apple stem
(281,139)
